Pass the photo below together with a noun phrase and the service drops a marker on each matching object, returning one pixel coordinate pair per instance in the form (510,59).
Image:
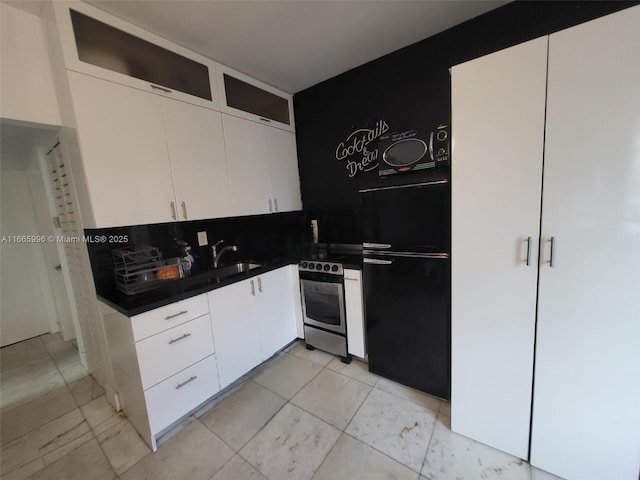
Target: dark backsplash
(259,237)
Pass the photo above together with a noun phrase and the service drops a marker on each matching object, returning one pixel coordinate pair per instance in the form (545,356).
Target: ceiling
(294,44)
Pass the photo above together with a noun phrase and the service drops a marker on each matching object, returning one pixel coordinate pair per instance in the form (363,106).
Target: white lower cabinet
(276,317)
(181,393)
(355,312)
(168,361)
(237,337)
(252,320)
(164,363)
(173,350)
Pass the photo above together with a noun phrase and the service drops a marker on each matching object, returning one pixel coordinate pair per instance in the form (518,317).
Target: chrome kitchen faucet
(216,255)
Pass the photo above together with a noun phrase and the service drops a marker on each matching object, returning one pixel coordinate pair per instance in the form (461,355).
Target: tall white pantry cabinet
(546,250)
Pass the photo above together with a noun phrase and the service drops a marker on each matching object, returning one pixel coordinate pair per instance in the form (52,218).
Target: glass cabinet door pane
(107,47)
(249,98)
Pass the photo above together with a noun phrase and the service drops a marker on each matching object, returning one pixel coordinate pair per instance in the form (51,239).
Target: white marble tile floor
(303,415)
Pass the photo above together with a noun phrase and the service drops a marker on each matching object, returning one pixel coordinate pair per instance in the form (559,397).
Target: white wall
(26,82)
(27,306)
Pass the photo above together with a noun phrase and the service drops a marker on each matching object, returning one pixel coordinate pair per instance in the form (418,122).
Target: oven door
(323,305)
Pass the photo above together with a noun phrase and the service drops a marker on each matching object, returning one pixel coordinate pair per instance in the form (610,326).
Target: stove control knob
(334,268)
(311,265)
(327,268)
(303,264)
(318,266)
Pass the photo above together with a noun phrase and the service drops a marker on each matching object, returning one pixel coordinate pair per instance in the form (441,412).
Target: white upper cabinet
(282,162)
(498,107)
(26,80)
(263,167)
(242,96)
(148,159)
(248,169)
(198,161)
(124,152)
(99,44)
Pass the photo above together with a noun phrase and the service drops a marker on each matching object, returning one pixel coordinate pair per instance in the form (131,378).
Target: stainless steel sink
(234,269)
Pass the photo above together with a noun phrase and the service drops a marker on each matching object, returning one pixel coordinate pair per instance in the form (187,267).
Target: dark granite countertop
(176,290)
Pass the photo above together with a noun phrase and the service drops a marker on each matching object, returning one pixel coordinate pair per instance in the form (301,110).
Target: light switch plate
(202,239)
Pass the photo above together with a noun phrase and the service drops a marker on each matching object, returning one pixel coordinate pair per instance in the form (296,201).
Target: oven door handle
(376,261)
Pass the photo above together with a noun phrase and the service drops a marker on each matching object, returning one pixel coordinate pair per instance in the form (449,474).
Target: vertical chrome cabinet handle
(191,379)
(528,251)
(253,289)
(270,207)
(259,284)
(275,204)
(552,240)
(184,210)
(173,210)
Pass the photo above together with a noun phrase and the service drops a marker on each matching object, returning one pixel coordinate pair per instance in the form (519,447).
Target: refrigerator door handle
(441,255)
(375,245)
(376,261)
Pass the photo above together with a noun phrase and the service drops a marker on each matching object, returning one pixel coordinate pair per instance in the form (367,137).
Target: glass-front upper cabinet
(99,44)
(245,97)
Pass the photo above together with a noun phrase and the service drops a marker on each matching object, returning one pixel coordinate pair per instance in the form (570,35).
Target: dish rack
(141,268)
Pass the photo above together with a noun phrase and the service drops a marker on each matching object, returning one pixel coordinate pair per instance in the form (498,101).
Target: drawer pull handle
(180,385)
(186,335)
(169,317)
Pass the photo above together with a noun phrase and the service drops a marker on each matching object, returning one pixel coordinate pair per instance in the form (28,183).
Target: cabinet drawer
(163,318)
(168,352)
(177,395)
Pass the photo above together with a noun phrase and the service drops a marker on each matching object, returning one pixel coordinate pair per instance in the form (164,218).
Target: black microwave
(411,150)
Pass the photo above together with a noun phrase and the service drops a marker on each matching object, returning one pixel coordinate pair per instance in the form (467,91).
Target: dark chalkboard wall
(409,88)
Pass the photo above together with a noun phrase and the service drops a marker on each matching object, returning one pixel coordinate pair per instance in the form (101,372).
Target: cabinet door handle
(253,289)
(275,203)
(552,240)
(270,208)
(169,317)
(191,379)
(186,335)
(184,210)
(162,89)
(352,279)
(265,120)
(528,251)
(173,211)
(259,284)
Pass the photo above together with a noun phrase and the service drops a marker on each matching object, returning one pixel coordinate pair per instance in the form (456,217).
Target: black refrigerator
(406,281)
